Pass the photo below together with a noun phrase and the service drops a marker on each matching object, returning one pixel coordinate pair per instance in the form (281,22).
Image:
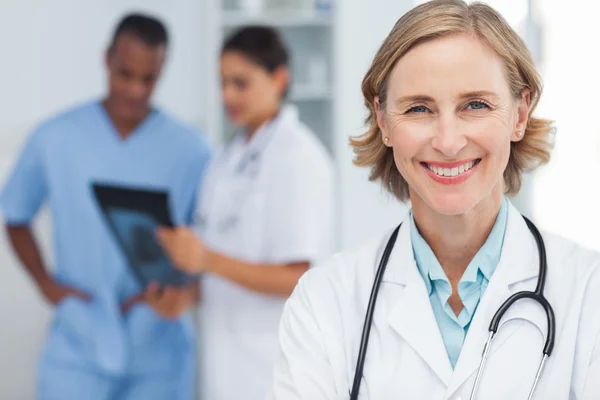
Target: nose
(137,90)
(449,138)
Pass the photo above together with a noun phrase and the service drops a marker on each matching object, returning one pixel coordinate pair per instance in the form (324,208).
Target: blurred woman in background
(264,217)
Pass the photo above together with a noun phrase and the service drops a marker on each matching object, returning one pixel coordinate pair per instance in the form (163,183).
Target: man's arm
(23,195)
(27,250)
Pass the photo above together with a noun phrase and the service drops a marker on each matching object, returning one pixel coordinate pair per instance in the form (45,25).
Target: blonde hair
(437,19)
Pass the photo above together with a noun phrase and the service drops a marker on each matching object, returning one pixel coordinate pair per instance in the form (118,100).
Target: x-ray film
(133,215)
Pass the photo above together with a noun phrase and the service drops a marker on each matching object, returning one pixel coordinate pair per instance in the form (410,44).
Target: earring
(519,134)
(386,140)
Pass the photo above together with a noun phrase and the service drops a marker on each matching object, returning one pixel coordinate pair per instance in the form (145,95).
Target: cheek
(409,142)
(121,84)
(114,81)
(494,139)
(248,95)
(409,139)
(255,99)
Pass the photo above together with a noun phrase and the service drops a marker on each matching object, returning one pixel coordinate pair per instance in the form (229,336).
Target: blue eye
(477,105)
(418,109)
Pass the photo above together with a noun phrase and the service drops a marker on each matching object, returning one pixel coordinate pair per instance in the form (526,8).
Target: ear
(524,105)
(381,121)
(282,78)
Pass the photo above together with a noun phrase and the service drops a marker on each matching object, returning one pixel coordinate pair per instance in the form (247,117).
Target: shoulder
(569,257)
(296,142)
(308,144)
(57,126)
(298,156)
(64,121)
(573,270)
(345,271)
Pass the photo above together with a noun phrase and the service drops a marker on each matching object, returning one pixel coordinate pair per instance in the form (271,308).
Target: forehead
(236,62)
(134,53)
(452,64)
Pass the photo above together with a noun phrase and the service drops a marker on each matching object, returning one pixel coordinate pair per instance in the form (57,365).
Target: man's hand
(184,248)
(128,304)
(170,302)
(54,292)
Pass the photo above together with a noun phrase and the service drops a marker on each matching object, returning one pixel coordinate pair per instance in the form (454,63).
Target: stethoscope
(537,295)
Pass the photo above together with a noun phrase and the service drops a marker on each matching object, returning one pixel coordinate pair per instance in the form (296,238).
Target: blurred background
(52,55)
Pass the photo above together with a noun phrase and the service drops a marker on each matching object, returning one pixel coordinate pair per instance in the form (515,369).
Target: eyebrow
(414,99)
(429,99)
(477,93)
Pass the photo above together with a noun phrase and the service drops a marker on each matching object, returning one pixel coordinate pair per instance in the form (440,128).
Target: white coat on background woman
(265,216)
(451,96)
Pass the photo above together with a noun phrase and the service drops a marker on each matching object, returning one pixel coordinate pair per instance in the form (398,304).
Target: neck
(123,126)
(255,125)
(455,239)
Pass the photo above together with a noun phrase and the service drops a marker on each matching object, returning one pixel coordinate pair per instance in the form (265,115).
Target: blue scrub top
(59,162)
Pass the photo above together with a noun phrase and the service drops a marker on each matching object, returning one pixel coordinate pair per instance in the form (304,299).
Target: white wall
(567,191)
(52,57)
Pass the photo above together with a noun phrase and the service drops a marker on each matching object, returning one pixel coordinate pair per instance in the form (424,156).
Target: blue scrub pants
(62,382)
(77,365)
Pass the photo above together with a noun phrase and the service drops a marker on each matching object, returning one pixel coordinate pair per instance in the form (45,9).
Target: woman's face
(450,119)
(250,92)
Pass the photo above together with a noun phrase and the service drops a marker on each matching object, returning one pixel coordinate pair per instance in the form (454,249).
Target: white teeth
(451,171)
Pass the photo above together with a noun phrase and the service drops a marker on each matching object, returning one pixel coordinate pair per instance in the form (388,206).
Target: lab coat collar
(413,319)
(402,268)
(253,150)
(287,115)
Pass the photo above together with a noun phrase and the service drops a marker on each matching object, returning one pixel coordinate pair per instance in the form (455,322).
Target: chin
(237,120)
(450,204)
(130,113)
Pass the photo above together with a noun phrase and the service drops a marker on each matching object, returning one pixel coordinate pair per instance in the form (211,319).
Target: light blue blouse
(471,287)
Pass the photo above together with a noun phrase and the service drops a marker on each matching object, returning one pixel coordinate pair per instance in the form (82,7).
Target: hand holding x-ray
(184,248)
(169,302)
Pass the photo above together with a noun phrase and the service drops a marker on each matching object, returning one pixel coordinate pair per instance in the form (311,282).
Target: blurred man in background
(111,338)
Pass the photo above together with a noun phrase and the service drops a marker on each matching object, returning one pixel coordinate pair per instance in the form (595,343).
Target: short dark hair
(148,29)
(261,44)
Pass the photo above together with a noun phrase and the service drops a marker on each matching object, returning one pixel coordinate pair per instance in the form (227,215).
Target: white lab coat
(322,324)
(267,201)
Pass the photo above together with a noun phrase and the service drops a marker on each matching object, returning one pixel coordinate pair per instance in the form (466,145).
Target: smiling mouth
(454,171)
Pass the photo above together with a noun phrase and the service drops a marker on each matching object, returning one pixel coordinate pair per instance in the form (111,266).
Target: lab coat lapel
(518,265)
(412,316)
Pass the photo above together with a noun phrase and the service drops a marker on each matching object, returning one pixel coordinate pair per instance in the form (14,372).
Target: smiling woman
(451,95)
(490,70)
